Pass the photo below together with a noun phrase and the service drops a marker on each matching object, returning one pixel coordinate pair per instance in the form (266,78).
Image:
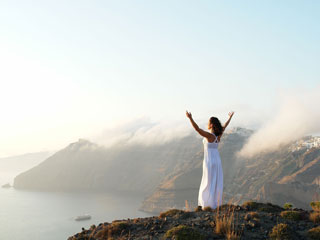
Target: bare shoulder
(206,134)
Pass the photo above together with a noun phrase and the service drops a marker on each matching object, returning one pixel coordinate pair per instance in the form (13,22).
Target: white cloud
(143,131)
(298,115)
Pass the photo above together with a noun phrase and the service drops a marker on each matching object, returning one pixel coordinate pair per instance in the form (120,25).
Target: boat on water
(82,217)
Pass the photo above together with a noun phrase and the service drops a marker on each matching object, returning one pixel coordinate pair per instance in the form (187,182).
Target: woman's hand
(188,114)
(227,122)
(230,114)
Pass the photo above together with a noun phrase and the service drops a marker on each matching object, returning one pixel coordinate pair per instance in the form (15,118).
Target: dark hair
(216,124)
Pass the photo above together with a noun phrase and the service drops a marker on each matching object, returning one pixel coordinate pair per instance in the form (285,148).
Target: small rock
(254,223)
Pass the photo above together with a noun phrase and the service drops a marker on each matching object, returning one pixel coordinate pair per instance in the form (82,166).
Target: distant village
(306,143)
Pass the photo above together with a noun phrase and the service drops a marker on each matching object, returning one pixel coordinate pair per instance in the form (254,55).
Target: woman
(211,187)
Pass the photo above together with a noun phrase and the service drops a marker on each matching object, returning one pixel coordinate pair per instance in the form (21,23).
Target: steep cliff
(284,175)
(183,183)
(85,166)
(169,174)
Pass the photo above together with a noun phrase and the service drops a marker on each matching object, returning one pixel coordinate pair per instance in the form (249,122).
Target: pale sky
(69,69)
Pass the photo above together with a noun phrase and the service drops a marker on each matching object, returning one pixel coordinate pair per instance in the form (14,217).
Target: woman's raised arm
(196,127)
(228,121)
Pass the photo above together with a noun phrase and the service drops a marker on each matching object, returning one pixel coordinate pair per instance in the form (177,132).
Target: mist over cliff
(167,174)
(294,117)
(86,166)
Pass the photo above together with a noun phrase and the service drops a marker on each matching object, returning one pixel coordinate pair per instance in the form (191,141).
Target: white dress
(211,187)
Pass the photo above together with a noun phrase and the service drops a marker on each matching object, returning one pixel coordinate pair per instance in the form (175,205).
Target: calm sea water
(49,216)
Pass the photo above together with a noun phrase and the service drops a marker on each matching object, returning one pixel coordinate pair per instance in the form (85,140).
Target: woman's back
(211,145)
(211,187)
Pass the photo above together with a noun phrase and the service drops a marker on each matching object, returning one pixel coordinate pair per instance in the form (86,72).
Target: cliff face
(183,183)
(301,187)
(309,170)
(169,175)
(86,166)
(297,193)
(279,177)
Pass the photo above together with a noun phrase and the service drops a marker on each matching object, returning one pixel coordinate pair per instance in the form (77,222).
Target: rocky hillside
(280,176)
(169,174)
(86,166)
(135,169)
(252,220)
(182,184)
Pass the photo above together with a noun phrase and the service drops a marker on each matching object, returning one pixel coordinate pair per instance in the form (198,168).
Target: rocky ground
(251,220)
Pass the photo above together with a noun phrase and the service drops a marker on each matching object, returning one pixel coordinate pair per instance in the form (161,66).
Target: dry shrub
(103,233)
(198,209)
(225,223)
(315,205)
(288,206)
(183,232)
(292,215)
(251,215)
(207,209)
(187,205)
(171,213)
(314,233)
(135,220)
(315,217)
(254,214)
(232,236)
(250,204)
(281,231)
(115,228)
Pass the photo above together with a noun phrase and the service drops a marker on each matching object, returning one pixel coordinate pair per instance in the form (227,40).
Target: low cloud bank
(143,131)
(298,115)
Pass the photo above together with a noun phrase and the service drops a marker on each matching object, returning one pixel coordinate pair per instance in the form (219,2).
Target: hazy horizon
(72,69)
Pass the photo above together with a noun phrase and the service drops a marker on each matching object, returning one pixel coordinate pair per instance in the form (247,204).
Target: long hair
(216,124)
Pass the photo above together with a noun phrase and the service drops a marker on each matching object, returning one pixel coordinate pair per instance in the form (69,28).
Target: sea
(50,215)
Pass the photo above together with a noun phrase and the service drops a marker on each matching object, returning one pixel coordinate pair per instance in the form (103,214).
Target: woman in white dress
(211,187)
